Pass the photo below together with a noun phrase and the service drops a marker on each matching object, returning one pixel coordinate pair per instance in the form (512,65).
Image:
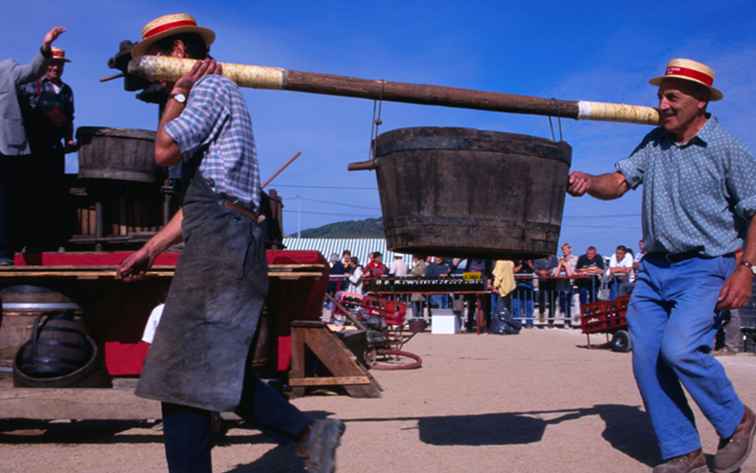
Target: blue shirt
(698,196)
(216,128)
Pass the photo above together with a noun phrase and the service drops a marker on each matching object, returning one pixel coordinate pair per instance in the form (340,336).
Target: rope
(376,121)
(551,128)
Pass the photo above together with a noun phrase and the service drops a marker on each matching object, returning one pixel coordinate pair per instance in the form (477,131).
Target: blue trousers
(673,323)
(522,303)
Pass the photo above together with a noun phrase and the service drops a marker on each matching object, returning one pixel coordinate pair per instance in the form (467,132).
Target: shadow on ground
(28,431)
(626,428)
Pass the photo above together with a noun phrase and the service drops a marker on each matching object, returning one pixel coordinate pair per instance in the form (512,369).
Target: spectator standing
(639,256)
(419,267)
(47,105)
(522,298)
(483,267)
(398,267)
(375,267)
(544,269)
(565,269)
(346,260)
(337,271)
(437,269)
(621,274)
(356,276)
(590,264)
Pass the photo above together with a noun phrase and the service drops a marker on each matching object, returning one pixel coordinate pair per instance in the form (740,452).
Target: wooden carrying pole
(155,68)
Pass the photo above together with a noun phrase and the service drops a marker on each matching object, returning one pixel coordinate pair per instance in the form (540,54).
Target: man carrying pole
(699,203)
(198,361)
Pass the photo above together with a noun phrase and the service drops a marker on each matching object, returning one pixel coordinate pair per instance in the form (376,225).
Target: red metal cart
(609,318)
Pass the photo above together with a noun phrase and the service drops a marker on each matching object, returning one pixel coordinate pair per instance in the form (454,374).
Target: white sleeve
(627,261)
(152,323)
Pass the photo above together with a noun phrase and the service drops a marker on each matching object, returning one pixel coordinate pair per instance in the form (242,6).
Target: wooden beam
(157,68)
(329,381)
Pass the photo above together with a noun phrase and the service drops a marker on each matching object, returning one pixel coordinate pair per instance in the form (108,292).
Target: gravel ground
(537,402)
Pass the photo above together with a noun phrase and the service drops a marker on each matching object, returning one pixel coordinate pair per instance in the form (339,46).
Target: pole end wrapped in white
(617,112)
(157,68)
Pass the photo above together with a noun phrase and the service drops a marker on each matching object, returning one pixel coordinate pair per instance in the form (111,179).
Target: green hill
(368,228)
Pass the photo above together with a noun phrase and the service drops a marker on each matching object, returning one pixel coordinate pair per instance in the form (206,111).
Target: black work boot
(693,462)
(318,449)
(734,451)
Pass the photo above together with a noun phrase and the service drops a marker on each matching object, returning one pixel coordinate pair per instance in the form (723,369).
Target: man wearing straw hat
(198,361)
(48,108)
(14,144)
(699,202)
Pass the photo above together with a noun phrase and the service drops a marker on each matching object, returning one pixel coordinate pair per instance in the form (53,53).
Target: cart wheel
(621,342)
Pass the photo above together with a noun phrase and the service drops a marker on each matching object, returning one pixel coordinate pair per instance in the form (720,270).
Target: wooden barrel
(466,192)
(117,154)
(21,305)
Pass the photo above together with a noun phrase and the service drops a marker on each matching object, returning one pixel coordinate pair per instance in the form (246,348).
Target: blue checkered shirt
(216,128)
(699,196)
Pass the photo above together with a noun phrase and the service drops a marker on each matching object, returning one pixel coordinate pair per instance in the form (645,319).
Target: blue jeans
(673,323)
(440,301)
(522,303)
(618,287)
(565,303)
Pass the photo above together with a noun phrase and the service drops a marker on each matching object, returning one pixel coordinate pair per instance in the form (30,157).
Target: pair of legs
(673,323)
(522,303)
(619,287)
(187,430)
(546,300)
(565,302)
(33,201)
(588,289)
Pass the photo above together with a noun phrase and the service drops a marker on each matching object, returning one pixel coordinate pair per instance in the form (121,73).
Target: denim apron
(200,349)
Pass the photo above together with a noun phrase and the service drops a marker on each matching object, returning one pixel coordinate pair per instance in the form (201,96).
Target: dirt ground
(537,402)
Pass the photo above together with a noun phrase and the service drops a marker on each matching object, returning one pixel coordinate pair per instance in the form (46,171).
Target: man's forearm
(749,250)
(169,235)
(608,186)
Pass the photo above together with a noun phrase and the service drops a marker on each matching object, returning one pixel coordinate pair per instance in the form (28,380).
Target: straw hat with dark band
(692,71)
(59,55)
(169,25)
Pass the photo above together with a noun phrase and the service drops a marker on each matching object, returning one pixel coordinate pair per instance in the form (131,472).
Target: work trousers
(187,431)
(673,322)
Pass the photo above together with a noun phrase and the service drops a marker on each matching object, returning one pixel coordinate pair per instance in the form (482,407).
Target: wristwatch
(180,98)
(748,265)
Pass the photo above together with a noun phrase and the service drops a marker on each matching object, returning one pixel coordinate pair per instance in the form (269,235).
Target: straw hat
(169,25)
(59,55)
(692,71)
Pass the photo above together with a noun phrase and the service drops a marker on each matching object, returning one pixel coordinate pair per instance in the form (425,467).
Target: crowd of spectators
(554,286)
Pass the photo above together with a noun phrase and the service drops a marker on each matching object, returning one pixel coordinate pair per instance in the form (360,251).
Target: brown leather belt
(254,216)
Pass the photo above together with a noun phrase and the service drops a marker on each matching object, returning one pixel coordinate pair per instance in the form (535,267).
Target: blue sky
(571,50)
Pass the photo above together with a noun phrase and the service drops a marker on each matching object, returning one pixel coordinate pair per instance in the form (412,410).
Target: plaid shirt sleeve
(193,128)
